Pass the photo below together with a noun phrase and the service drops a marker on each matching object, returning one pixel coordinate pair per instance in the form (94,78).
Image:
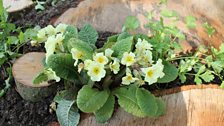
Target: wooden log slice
(17,5)
(24,70)
(186,106)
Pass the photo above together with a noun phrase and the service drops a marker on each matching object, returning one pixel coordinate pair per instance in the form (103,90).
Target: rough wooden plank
(16,5)
(24,70)
(195,107)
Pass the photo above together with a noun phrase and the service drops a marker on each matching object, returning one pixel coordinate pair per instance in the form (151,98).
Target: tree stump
(17,5)
(24,70)
(186,106)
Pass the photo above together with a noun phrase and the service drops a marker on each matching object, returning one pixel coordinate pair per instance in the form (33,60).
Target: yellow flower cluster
(96,67)
(53,38)
(139,64)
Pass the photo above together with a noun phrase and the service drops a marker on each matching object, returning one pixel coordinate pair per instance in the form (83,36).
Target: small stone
(16,5)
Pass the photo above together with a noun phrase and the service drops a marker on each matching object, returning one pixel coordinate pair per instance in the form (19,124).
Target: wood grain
(24,70)
(193,107)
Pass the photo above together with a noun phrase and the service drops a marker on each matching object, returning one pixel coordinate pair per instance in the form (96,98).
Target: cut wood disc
(25,69)
(16,5)
(186,106)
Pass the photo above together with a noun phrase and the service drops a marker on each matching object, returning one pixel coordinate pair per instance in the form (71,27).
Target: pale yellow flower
(50,46)
(34,43)
(128,79)
(115,66)
(128,59)
(154,72)
(50,30)
(100,58)
(76,55)
(61,28)
(60,39)
(41,35)
(143,45)
(108,52)
(145,58)
(96,71)
(87,63)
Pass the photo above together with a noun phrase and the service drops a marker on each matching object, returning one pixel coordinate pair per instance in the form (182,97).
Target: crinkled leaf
(171,73)
(81,46)
(105,112)
(123,35)
(131,23)
(65,95)
(161,107)
(88,34)
(122,46)
(190,21)
(147,102)
(128,101)
(67,113)
(63,65)
(90,99)
(70,32)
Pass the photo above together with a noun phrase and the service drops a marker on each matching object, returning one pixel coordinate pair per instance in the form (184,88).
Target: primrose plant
(123,69)
(93,77)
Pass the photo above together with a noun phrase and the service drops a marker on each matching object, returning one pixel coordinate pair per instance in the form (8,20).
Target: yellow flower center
(150,73)
(100,59)
(96,70)
(129,78)
(129,59)
(79,55)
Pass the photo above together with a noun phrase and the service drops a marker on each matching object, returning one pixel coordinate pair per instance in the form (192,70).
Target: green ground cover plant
(12,38)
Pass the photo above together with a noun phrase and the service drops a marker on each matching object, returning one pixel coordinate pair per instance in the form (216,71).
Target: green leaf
(161,107)
(209,29)
(123,35)
(122,46)
(131,23)
(147,102)
(69,94)
(63,65)
(88,34)
(222,85)
(41,77)
(70,32)
(182,77)
(171,73)
(90,100)
(81,46)
(67,113)
(197,80)
(190,21)
(105,112)
(207,76)
(128,101)
(169,13)
(47,75)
